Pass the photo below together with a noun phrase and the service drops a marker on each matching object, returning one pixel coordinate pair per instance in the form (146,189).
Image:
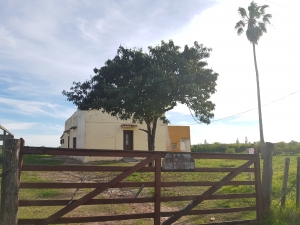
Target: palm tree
(256,21)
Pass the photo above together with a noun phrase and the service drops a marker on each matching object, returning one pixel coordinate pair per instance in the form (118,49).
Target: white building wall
(97,130)
(185,145)
(75,127)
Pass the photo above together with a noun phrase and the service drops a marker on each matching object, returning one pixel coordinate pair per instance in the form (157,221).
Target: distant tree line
(292,147)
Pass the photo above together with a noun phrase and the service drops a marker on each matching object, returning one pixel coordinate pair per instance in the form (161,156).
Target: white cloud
(35,108)
(11,126)
(44,48)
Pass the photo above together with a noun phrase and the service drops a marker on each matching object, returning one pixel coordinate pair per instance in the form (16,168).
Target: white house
(97,130)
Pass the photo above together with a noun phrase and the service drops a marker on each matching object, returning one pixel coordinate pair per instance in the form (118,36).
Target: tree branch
(143,130)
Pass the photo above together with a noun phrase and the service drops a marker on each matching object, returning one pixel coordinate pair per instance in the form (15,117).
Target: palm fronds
(242,12)
(255,26)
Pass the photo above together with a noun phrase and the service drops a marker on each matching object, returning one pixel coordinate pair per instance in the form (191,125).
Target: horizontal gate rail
(136,216)
(120,169)
(124,153)
(131,184)
(154,181)
(23,203)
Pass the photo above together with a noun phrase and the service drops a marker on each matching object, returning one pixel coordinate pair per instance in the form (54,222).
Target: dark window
(68,141)
(74,142)
(174,145)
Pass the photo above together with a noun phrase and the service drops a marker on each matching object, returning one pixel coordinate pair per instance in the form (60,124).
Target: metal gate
(165,163)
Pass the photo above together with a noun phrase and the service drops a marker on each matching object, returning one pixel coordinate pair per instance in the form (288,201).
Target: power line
(227,117)
(276,3)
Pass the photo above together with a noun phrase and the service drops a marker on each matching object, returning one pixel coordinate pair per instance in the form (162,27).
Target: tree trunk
(262,141)
(151,136)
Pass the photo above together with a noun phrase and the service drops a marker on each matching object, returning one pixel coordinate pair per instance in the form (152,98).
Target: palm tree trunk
(262,141)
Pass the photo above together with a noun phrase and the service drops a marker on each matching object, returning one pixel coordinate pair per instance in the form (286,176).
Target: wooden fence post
(267,177)
(285,180)
(298,183)
(157,190)
(10,182)
(258,188)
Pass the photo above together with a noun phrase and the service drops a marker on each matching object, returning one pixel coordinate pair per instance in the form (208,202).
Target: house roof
(67,131)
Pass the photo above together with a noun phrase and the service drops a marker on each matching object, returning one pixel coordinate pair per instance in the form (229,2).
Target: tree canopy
(145,85)
(255,26)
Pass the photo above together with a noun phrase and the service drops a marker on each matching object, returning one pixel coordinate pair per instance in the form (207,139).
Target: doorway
(128,139)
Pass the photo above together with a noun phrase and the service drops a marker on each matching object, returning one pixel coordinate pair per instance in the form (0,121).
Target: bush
(230,150)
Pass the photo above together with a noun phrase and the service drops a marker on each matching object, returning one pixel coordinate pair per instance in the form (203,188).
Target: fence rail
(157,179)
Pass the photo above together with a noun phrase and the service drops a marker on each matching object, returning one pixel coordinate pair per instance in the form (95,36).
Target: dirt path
(113,193)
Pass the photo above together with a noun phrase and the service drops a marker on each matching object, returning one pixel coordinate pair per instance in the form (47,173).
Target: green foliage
(288,216)
(255,26)
(230,150)
(145,85)
(221,148)
(40,159)
(290,148)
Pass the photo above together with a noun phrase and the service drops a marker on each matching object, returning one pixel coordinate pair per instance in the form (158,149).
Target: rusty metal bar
(212,211)
(257,175)
(235,222)
(131,184)
(139,216)
(118,169)
(25,203)
(157,190)
(65,220)
(85,152)
(123,153)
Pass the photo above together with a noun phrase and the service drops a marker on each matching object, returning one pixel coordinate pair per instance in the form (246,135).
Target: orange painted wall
(176,134)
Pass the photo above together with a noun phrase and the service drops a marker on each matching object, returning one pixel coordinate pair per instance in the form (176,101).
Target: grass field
(289,216)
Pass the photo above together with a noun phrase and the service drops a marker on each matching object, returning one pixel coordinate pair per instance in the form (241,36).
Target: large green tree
(144,85)
(255,21)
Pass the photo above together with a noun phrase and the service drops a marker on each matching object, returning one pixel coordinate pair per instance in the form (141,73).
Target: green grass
(289,216)
(41,159)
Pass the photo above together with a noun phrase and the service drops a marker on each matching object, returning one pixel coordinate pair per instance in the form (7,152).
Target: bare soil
(114,193)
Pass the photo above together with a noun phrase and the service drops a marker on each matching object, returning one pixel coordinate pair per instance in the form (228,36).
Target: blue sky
(46,45)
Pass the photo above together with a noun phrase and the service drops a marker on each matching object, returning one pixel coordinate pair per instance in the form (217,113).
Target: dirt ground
(114,193)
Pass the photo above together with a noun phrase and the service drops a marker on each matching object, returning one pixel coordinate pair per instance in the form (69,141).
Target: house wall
(97,130)
(75,127)
(179,135)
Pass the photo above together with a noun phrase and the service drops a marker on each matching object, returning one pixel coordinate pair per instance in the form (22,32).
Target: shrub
(230,150)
